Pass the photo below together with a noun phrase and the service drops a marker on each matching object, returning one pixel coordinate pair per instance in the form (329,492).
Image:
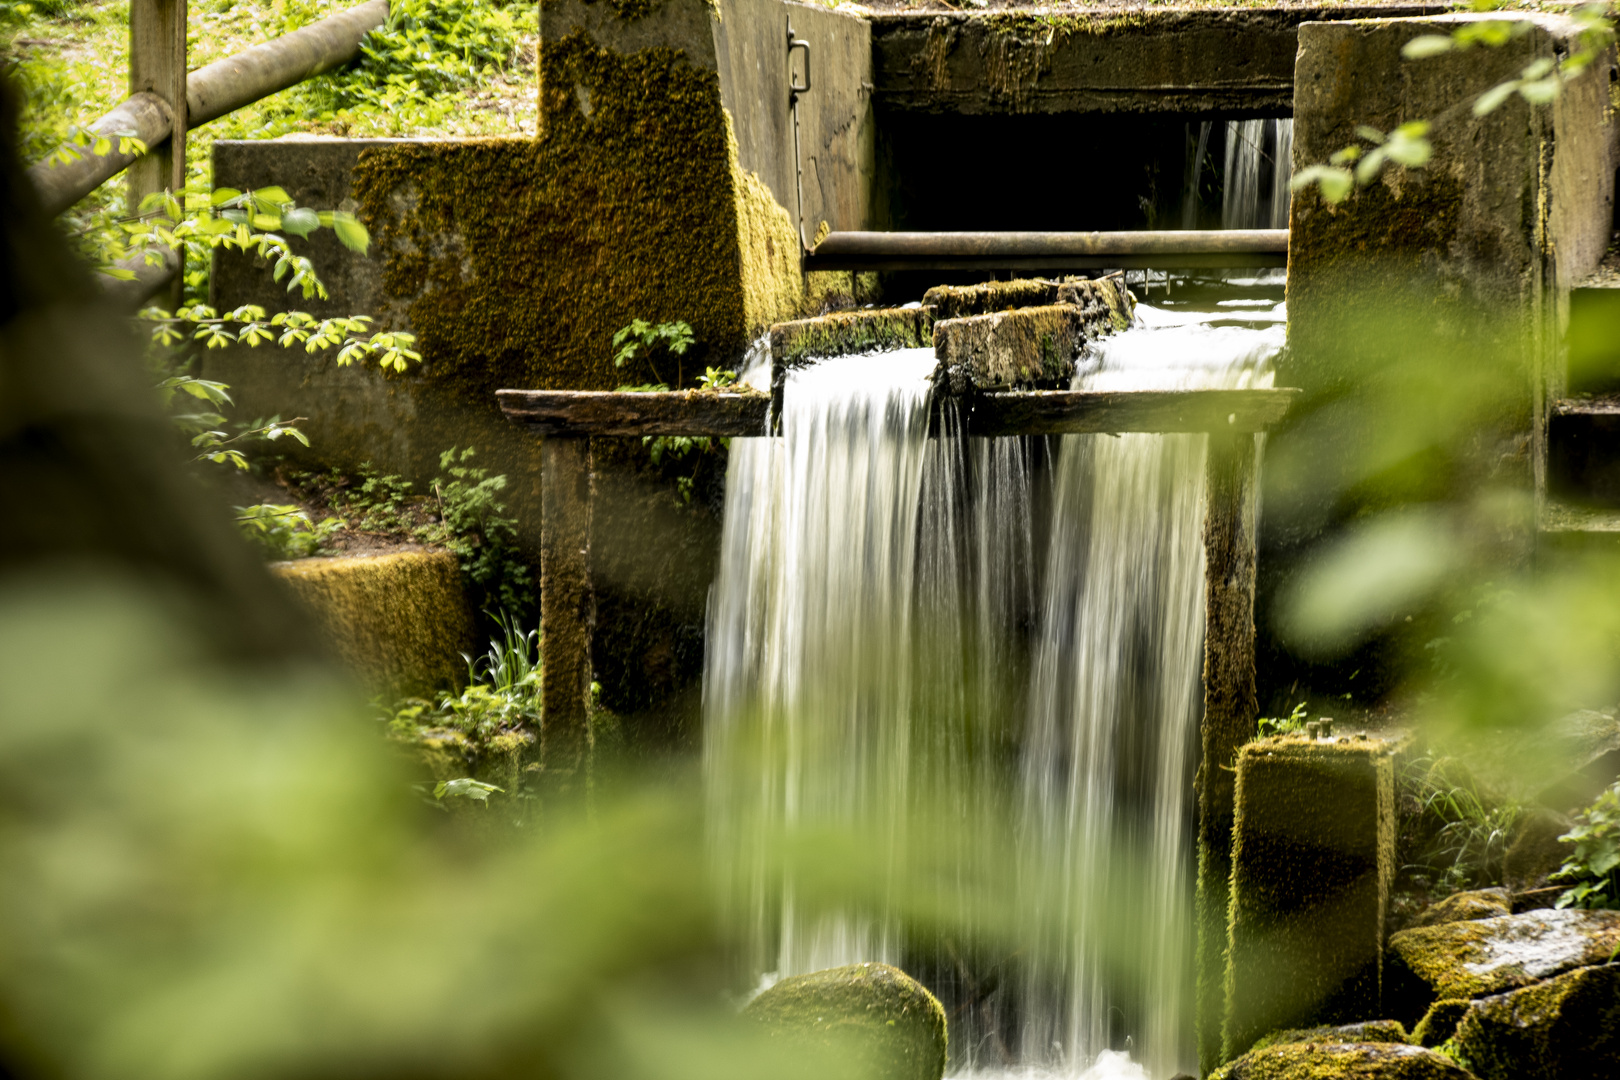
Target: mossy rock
(1103,298)
(1368,1031)
(1567,1027)
(1463,960)
(843,333)
(1331,1061)
(1439,1024)
(1465,906)
(875,1011)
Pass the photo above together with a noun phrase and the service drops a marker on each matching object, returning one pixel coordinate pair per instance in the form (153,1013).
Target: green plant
(474,525)
(1465,828)
(1294,721)
(284,532)
(1592,872)
(654,346)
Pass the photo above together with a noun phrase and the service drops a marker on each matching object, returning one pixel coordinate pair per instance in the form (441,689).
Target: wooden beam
(567,615)
(1079,412)
(680,412)
(1230,707)
(1045,412)
(157,66)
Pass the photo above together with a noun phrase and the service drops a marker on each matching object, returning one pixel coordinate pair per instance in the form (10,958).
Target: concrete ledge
(399,621)
(1033,346)
(1313,854)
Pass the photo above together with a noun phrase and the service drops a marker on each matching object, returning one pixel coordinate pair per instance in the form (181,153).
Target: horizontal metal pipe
(1179,249)
(211,92)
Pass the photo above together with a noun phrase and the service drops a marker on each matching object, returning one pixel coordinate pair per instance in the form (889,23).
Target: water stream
(1004,634)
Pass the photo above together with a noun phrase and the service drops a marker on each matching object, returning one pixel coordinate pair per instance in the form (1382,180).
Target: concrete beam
(1143,61)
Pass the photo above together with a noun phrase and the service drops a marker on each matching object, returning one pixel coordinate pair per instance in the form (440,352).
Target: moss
(1439,1024)
(1371,1031)
(1465,906)
(960,301)
(1313,854)
(517,260)
(400,621)
(1462,960)
(873,1010)
(1567,1027)
(1333,1061)
(845,332)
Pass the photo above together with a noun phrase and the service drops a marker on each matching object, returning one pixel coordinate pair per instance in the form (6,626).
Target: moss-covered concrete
(874,1011)
(1464,960)
(1313,853)
(1463,906)
(1566,1028)
(1106,301)
(1439,1024)
(842,333)
(399,621)
(1369,1031)
(1342,1061)
(1024,347)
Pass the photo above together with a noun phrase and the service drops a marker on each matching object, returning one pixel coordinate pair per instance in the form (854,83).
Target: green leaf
(466,787)
(271,197)
(1541,91)
(350,233)
(1492,98)
(300,221)
(1420,48)
(1335,183)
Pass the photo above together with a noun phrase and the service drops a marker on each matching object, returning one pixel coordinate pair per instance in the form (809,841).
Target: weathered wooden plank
(677,412)
(1073,412)
(157,65)
(567,614)
(1230,706)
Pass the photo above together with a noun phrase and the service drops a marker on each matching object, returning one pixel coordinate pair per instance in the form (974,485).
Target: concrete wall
(1141,61)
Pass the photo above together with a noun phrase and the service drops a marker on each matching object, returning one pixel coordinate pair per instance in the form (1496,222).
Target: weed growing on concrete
(284,532)
(1461,828)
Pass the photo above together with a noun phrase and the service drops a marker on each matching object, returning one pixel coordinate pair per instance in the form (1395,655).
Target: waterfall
(1109,750)
(1258,165)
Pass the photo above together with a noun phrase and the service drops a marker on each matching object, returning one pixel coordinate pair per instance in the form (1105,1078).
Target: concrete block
(1313,854)
(1104,298)
(1026,347)
(399,621)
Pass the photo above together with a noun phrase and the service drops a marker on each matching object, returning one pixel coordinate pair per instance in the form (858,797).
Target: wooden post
(157,65)
(1230,707)
(567,614)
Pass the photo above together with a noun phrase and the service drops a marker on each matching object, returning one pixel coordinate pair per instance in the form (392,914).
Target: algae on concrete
(400,621)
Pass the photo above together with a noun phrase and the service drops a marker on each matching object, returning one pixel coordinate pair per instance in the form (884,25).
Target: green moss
(1312,857)
(400,621)
(1341,1061)
(1567,1027)
(844,332)
(517,260)
(1439,1024)
(874,1011)
(1372,1031)
(960,301)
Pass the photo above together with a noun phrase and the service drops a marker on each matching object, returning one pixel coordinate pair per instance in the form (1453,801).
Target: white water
(881,629)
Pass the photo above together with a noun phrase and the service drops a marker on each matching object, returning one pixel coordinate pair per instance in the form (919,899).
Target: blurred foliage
(1283,725)
(284,532)
(1458,828)
(1592,872)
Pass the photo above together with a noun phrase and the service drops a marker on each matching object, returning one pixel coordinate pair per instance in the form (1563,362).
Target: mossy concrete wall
(1313,854)
(399,621)
(656,190)
(1136,60)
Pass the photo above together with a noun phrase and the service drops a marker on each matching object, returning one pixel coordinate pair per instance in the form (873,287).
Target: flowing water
(1015,624)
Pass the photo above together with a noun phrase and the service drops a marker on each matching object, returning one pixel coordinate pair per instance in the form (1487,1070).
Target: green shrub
(1593,871)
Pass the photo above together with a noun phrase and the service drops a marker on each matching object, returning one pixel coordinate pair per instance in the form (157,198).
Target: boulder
(1333,1061)
(1369,1031)
(1567,1027)
(1464,960)
(1465,906)
(873,1011)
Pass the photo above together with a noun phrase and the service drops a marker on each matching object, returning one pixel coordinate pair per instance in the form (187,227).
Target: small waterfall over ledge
(1018,621)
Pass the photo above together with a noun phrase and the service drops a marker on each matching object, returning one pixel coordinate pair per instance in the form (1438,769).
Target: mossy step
(1100,297)
(846,333)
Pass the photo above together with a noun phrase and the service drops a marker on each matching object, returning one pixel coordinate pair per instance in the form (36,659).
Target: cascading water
(897,614)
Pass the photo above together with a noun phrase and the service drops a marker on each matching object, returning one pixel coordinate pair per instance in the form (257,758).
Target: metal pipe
(1171,249)
(211,92)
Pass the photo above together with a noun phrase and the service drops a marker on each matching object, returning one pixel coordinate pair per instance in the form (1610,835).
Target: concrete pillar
(1313,855)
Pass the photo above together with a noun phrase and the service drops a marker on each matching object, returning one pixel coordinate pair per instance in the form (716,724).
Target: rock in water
(1341,1061)
(1568,1028)
(873,1010)
(1464,960)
